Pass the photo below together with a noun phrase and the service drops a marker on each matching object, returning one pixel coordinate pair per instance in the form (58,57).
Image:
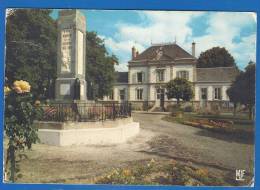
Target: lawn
(238,126)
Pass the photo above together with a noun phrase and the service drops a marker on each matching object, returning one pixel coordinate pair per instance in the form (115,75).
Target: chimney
(193,49)
(133,52)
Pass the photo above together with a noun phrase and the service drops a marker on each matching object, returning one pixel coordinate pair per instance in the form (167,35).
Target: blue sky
(236,31)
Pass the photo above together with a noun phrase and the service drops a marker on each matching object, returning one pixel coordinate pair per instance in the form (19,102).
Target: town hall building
(150,70)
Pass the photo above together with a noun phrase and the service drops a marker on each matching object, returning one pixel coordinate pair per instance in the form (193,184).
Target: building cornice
(162,83)
(147,64)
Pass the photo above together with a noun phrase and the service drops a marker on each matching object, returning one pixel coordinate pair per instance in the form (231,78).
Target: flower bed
(215,125)
(162,173)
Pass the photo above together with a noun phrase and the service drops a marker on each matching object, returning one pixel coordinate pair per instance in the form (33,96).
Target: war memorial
(71,119)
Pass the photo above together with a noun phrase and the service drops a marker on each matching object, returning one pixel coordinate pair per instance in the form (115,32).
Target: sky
(123,29)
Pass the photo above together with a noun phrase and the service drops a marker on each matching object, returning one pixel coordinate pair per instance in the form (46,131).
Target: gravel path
(158,139)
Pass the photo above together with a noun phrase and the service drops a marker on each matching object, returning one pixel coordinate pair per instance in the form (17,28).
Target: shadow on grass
(229,137)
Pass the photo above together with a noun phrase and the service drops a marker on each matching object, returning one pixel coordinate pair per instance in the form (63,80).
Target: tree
(100,71)
(243,89)
(215,57)
(31,54)
(179,88)
(31,36)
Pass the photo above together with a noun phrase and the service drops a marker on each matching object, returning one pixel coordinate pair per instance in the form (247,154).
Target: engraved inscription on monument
(80,52)
(66,49)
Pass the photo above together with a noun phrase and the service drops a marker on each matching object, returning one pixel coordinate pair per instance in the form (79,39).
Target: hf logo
(240,175)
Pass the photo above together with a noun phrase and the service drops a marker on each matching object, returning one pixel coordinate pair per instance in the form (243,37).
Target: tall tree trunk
(235,109)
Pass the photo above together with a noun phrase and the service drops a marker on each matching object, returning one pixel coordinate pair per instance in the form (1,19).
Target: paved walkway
(199,144)
(158,139)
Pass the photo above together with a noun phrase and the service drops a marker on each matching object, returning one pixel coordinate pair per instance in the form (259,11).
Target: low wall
(87,133)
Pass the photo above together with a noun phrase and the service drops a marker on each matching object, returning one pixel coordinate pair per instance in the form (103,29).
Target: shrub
(188,108)
(20,112)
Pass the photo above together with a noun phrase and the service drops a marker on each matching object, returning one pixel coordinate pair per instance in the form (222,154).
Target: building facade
(150,70)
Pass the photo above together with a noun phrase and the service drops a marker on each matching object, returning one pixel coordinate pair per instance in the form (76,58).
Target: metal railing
(81,112)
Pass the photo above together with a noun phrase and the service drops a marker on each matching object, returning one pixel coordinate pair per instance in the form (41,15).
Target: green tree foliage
(31,54)
(31,51)
(179,88)
(100,72)
(243,89)
(215,57)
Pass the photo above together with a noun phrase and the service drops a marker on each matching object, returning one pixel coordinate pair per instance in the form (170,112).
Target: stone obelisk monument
(70,83)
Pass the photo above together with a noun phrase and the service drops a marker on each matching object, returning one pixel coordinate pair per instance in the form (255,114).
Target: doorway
(160,95)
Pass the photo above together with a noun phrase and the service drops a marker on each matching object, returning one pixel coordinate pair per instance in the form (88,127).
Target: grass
(242,127)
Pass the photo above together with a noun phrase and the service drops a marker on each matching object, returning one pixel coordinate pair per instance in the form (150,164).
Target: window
(111,95)
(160,75)
(217,92)
(122,94)
(204,93)
(139,94)
(139,77)
(183,74)
(159,93)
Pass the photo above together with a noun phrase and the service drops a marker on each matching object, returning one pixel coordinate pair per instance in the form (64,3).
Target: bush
(20,112)
(188,109)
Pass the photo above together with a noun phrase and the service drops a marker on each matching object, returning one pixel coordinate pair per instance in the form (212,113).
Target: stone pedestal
(71,59)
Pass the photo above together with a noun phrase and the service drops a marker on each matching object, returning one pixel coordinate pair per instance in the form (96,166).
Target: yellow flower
(21,86)
(126,172)
(37,103)
(6,90)
(202,172)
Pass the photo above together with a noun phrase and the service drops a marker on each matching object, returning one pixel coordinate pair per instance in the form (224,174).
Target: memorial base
(87,133)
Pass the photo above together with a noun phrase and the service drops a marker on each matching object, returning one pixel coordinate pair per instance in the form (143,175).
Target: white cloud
(165,26)
(223,28)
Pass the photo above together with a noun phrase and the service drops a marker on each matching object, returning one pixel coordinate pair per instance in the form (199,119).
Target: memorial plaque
(64,89)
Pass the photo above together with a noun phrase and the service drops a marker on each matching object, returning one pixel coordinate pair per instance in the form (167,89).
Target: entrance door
(160,96)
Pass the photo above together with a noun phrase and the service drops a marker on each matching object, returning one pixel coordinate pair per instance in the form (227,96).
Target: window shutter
(187,73)
(143,77)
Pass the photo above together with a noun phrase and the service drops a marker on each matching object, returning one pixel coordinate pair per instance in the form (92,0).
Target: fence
(81,112)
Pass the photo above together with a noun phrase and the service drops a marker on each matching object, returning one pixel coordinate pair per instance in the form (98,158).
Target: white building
(160,63)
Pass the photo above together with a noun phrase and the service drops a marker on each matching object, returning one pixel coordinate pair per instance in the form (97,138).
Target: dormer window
(183,74)
(160,75)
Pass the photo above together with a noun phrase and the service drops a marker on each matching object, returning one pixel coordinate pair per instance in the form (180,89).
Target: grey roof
(217,74)
(170,52)
(122,77)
